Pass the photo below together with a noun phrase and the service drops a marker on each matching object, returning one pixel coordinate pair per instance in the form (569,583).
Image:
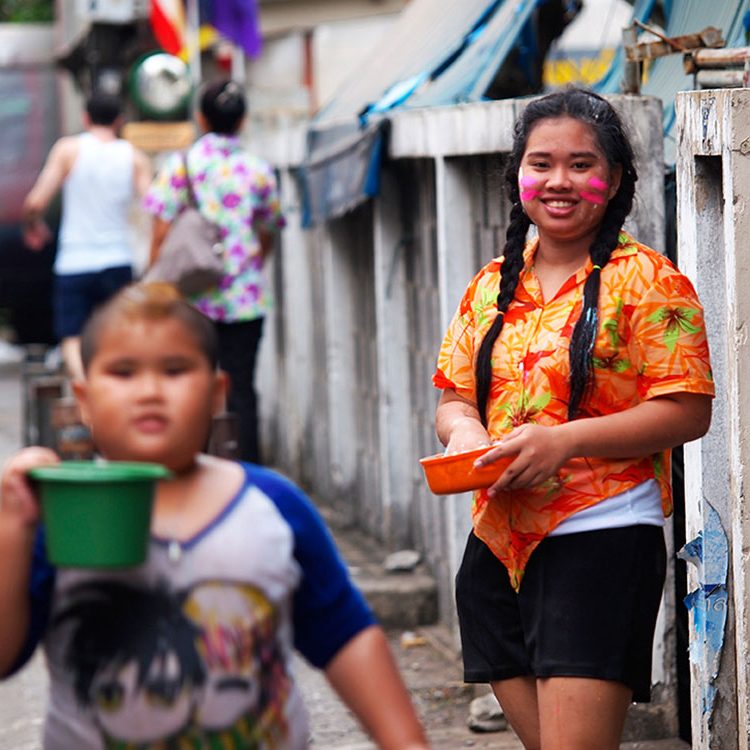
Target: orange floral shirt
(651,342)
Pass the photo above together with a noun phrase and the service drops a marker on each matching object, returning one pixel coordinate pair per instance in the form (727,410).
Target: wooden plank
(155,137)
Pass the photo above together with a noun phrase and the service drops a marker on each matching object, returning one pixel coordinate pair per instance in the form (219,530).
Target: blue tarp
(440,52)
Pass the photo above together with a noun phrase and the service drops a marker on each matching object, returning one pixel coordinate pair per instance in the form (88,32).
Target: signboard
(156,137)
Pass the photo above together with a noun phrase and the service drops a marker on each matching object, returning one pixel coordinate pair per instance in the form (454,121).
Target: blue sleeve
(328,609)
(41,586)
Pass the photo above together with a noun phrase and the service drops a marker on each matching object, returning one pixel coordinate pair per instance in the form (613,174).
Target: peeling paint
(709,552)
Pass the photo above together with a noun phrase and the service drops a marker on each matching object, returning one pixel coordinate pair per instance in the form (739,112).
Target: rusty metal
(733,57)
(722,79)
(709,37)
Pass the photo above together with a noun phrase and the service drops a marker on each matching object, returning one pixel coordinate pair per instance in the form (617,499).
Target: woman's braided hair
(596,112)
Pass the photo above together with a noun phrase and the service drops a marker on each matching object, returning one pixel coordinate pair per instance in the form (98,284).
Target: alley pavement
(426,655)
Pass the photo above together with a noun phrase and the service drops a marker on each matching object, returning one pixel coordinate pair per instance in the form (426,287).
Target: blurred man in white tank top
(100,175)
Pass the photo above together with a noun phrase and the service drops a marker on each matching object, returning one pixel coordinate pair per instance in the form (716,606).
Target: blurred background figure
(236,190)
(99,174)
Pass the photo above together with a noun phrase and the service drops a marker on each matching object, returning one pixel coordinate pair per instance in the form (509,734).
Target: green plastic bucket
(97,514)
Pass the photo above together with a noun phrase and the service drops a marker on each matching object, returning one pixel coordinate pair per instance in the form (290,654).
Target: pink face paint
(597,197)
(530,184)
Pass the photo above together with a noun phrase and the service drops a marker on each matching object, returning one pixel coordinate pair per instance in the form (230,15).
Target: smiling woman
(581,355)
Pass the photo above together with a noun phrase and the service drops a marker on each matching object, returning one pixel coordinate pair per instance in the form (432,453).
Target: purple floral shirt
(237,191)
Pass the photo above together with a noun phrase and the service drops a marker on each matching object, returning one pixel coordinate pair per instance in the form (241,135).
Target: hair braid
(584,334)
(601,117)
(515,241)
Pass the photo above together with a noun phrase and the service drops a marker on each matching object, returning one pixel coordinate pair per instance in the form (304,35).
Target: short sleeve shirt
(651,341)
(238,191)
(195,650)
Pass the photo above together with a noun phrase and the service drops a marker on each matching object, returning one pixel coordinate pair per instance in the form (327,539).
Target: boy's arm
(334,628)
(365,676)
(19,515)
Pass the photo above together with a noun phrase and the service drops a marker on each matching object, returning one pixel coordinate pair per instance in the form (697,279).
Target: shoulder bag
(192,254)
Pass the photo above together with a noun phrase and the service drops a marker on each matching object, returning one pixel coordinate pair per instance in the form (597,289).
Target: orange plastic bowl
(455,472)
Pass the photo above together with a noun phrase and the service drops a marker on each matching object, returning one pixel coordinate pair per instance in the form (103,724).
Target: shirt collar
(626,247)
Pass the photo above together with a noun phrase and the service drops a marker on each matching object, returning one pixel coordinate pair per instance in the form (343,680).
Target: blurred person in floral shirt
(237,191)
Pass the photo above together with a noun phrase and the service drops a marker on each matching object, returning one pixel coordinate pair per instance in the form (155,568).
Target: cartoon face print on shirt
(245,670)
(157,667)
(133,658)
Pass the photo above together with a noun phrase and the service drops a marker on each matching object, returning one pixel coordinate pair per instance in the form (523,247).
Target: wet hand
(467,434)
(18,500)
(540,452)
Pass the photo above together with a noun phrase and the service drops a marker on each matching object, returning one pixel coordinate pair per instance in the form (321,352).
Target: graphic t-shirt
(651,342)
(193,650)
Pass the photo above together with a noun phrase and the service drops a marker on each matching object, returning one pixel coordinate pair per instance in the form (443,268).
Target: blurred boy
(195,644)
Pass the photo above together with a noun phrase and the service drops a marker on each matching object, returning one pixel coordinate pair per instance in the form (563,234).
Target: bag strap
(191,192)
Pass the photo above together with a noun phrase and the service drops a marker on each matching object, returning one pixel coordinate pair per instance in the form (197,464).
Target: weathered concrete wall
(367,299)
(713,215)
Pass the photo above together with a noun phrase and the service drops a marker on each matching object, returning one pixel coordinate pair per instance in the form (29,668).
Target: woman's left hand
(540,451)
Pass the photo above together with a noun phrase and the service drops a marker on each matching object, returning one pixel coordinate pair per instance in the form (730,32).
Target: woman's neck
(556,262)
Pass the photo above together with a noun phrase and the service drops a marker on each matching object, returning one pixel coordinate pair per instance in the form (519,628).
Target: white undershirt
(638,505)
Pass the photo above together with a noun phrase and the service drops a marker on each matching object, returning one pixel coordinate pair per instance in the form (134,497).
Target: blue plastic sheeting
(438,52)
(427,35)
(665,75)
(468,78)
(336,180)
(708,603)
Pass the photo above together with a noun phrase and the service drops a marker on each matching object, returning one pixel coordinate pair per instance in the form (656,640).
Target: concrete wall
(348,403)
(713,216)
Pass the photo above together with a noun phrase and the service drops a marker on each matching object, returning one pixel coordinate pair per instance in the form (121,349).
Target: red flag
(168,24)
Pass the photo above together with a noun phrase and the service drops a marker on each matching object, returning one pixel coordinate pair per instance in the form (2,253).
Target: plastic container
(97,514)
(449,473)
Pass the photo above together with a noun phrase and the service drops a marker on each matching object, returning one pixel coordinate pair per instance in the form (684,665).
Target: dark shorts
(587,607)
(76,295)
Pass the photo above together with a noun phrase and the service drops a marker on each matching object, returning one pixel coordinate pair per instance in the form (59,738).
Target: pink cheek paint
(597,197)
(530,190)
(594,198)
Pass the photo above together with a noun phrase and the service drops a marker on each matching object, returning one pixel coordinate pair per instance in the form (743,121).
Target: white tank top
(94,232)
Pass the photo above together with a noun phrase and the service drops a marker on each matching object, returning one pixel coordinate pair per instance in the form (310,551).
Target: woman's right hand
(466,435)
(18,501)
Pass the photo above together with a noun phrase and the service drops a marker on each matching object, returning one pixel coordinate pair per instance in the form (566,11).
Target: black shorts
(587,607)
(76,295)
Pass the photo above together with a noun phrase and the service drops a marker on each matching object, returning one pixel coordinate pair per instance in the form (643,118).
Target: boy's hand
(17,498)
